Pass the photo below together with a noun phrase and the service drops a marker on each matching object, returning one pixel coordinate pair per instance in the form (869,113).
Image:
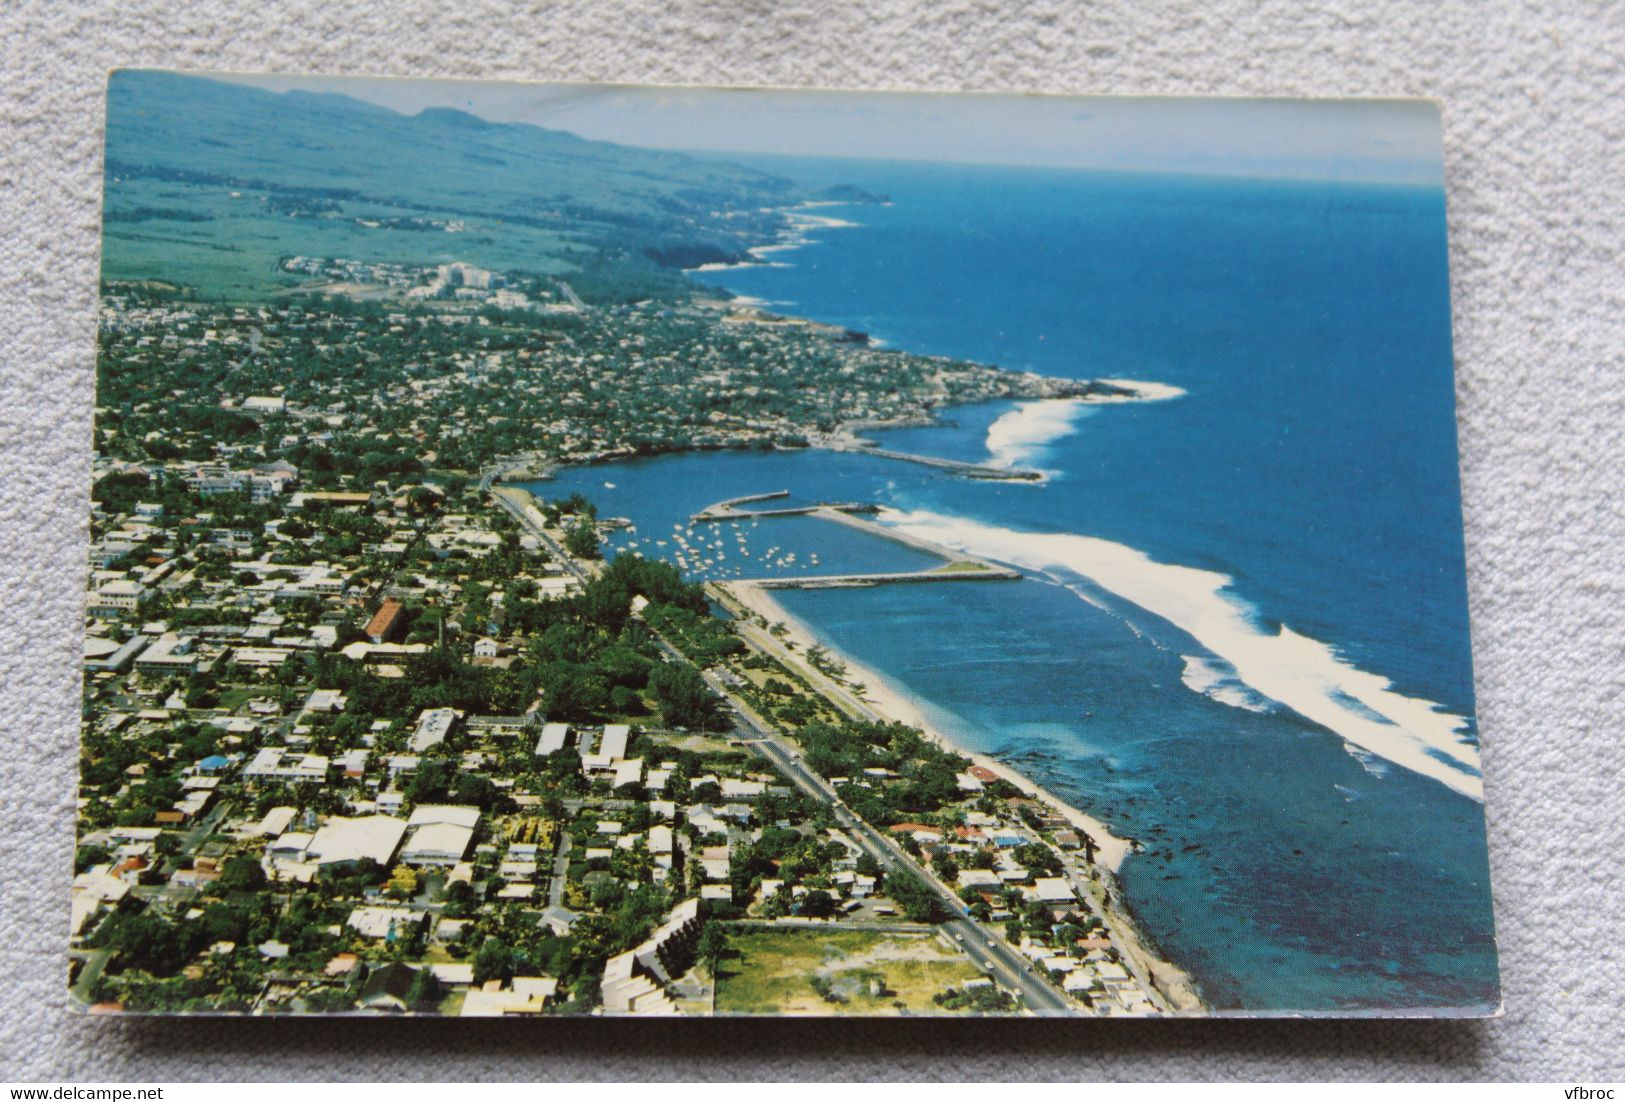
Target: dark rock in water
(851,193)
(693,255)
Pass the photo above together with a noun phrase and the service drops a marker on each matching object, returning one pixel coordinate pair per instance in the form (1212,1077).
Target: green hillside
(211,184)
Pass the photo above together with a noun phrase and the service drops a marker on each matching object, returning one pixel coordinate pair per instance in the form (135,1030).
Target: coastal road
(995,956)
(855,706)
(502,468)
(984,946)
(1077,876)
(513,504)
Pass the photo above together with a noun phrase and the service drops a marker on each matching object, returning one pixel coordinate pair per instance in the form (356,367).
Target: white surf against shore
(1301,673)
(806,221)
(1143,391)
(1019,437)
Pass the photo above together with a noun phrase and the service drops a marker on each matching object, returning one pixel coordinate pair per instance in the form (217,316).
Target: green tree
(403,882)
(818,904)
(581,540)
(684,698)
(918,901)
(493,961)
(87,856)
(424,994)
(151,944)
(1038,858)
(241,874)
(713,946)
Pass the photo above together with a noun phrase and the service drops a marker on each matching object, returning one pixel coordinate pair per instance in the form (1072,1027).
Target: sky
(1383,141)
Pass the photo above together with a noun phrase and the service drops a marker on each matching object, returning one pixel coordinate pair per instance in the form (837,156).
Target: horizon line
(1272,155)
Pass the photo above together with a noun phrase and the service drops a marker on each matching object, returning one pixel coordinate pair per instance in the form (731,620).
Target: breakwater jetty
(859,581)
(963,469)
(957,566)
(730,509)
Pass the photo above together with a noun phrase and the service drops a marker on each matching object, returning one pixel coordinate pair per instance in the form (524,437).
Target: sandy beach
(885,701)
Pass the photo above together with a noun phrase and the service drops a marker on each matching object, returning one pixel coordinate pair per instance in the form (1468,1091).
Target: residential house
(388,987)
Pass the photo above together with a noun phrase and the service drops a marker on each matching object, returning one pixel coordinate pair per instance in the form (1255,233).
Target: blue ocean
(1242,636)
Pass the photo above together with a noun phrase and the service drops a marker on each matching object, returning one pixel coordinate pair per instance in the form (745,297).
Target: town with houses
(367,730)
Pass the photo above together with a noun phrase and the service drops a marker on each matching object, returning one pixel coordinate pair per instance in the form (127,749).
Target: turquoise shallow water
(1243,601)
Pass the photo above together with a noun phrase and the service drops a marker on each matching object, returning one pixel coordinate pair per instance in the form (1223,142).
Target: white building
(634,982)
(277,820)
(119,595)
(628,772)
(553,738)
(462,274)
(278,763)
(325,700)
(437,844)
(382,923)
(1053,891)
(171,653)
(529,995)
(662,843)
(441,834)
(463,815)
(340,840)
(434,724)
(613,745)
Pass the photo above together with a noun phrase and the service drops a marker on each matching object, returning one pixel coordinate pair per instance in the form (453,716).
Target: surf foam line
(1216,681)
(1019,435)
(1294,670)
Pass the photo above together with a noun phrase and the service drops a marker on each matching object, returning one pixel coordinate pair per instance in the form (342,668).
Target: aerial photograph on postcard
(613,550)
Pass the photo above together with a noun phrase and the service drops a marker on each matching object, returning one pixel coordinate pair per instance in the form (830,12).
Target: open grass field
(212,184)
(960,567)
(240,695)
(229,241)
(791,970)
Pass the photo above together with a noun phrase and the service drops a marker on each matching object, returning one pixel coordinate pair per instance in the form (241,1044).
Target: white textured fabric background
(1534,99)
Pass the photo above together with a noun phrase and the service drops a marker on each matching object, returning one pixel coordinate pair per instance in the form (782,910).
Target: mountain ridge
(263,175)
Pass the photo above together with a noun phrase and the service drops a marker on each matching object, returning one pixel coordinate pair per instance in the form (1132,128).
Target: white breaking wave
(1301,673)
(1143,391)
(1369,762)
(1018,436)
(820,221)
(1216,681)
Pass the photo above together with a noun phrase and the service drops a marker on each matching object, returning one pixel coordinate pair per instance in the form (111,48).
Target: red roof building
(386,621)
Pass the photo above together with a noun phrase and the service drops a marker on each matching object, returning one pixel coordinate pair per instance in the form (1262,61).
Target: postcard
(572,550)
